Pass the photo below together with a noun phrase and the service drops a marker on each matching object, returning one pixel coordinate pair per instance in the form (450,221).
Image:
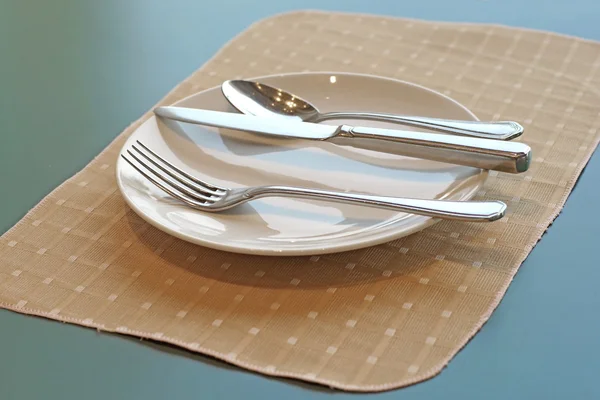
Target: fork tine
(205,185)
(172,191)
(174,182)
(174,174)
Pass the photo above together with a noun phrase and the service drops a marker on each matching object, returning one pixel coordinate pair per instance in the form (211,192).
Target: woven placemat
(367,320)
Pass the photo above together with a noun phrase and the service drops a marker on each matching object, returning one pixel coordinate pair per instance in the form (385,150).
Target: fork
(205,196)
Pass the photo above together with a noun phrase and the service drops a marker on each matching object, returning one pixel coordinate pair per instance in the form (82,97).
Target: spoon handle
(500,130)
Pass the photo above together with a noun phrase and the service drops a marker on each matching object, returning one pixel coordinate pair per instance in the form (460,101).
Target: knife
(499,155)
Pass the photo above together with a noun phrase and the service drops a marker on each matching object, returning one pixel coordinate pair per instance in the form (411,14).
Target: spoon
(254,98)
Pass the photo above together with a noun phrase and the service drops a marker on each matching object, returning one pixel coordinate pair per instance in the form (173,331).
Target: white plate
(277,226)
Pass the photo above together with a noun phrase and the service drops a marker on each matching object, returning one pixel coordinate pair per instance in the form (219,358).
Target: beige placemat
(366,320)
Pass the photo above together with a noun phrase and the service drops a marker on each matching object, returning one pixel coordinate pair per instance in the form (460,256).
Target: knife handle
(490,154)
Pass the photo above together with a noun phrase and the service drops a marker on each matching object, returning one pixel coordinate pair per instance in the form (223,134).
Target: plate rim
(342,246)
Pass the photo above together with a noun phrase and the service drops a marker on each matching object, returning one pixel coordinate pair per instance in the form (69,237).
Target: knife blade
(269,126)
(499,155)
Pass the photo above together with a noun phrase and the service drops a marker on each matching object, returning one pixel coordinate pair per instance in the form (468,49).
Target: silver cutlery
(499,155)
(204,196)
(259,99)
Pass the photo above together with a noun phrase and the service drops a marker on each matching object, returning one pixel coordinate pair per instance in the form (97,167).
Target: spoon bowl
(253,98)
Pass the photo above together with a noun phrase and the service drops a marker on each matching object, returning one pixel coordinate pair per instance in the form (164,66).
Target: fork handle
(474,211)
(500,130)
